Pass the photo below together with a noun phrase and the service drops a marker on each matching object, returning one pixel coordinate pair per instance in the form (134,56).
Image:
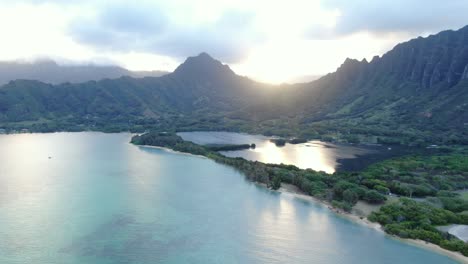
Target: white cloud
(390,16)
(36,31)
(268,40)
(150,29)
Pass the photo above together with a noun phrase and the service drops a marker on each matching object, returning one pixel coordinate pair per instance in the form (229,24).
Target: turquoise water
(99,199)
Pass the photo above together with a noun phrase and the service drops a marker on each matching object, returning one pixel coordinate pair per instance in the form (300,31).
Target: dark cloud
(120,27)
(149,29)
(228,39)
(390,16)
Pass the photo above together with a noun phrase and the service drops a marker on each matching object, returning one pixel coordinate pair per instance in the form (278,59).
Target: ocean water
(95,198)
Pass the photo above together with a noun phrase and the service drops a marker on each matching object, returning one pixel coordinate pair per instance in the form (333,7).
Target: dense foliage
(229,147)
(411,219)
(418,176)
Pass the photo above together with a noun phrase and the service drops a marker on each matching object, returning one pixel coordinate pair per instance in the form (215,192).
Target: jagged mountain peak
(436,60)
(203,65)
(351,67)
(375,59)
(348,62)
(203,55)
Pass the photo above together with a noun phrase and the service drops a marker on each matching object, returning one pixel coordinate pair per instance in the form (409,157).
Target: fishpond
(316,155)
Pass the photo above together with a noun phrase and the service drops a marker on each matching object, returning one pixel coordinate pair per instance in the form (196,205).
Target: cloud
(150,28)
(268,40)
(120,27)
(228,38)
(133,19)
(394,16)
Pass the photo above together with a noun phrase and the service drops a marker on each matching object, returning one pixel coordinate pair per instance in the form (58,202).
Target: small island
(279,142)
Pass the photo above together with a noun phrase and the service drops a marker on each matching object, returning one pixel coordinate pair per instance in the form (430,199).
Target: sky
(270,41)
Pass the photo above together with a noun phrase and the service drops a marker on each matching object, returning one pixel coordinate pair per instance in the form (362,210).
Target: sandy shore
(293,190)
(172,151)
(423,244)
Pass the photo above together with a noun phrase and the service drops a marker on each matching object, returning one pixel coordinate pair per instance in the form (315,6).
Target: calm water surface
(99,200)
(316,155)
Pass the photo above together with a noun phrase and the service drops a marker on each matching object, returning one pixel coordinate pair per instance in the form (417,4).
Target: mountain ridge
(430,66)
(415,89)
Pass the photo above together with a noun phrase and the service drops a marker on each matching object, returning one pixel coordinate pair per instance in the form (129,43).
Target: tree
(350,196)
(341,186)
(276,183)
(374,196)
(382,189)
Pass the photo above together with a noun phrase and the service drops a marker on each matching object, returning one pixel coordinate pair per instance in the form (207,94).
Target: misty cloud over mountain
(50,72)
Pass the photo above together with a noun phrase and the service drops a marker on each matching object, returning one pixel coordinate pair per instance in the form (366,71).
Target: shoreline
(171,151)
(457,256)
(352,217)
(294,191)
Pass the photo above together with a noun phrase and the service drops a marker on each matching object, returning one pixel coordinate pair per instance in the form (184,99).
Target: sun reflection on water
(314,156)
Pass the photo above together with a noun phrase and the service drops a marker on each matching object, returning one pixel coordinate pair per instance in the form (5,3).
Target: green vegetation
(418,176)
(431,179)
(417,220)
(230,147)
(279,142)
(172,141)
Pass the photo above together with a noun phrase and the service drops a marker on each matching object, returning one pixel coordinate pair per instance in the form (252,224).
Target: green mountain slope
(418,90)
(199,86)
(421,84)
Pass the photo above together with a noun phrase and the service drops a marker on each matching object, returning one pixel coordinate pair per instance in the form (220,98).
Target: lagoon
(99,199)
(315,154)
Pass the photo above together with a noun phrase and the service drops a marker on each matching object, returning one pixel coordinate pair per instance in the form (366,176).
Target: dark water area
(316,155)
(377,153)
